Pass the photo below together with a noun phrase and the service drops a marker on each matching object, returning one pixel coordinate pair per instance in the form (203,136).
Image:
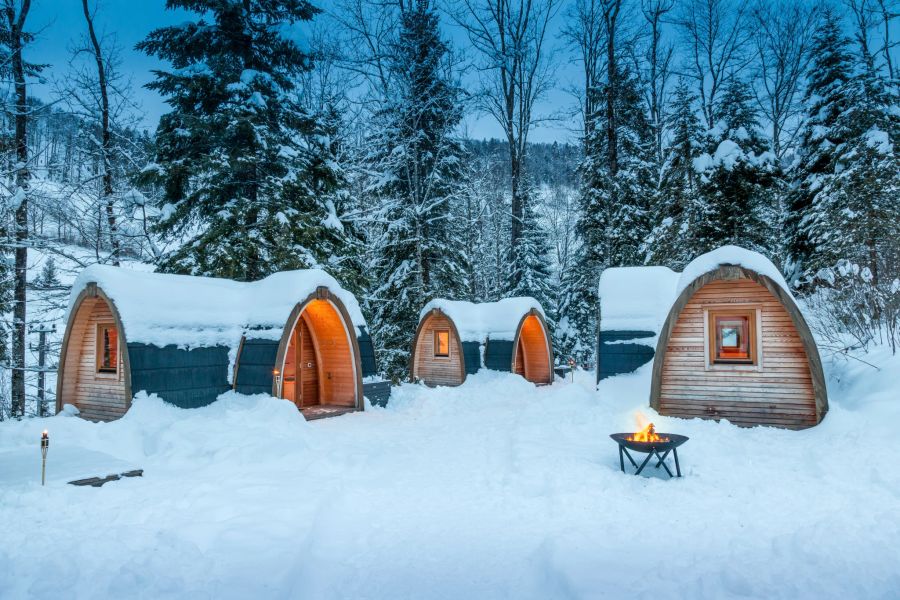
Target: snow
(639,298)
(879,141)
(477,322)
(730,255)
(493,489)
(636,298)
(189,312)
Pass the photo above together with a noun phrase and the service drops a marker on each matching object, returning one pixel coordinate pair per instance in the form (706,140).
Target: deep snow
(492,489)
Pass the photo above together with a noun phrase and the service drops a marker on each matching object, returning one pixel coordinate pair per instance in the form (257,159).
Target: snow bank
(190,312)
(636,298)
(494,489)
(478,322)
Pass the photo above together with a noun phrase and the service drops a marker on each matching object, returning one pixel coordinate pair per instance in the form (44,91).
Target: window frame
(436,344)
(99,370)
(753,314)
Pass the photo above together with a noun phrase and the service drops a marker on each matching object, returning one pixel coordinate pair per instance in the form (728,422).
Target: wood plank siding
(778,390)
(532,359)
(324,370)
(437,370)
(99,396)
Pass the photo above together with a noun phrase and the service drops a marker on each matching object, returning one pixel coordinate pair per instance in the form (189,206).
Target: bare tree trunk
(511,35)
(16,22)
(105,138)
(659,57)
(610,16)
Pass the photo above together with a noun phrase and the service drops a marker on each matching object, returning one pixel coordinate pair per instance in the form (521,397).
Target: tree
(15,39)
(716,36)
(670,242)
(417,165)
(529,262)
(511,37)
(238,157)
(824,102)
(784,33)
(737,201)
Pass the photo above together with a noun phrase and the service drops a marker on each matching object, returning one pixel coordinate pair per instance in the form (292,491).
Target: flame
(646,431)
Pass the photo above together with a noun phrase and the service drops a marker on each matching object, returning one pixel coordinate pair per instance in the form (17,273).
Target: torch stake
(45,445)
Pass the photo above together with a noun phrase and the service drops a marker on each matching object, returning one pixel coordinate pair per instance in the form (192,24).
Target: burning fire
(646,433)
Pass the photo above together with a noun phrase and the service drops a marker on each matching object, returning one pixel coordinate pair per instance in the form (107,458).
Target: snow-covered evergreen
(417,171)
(244,167)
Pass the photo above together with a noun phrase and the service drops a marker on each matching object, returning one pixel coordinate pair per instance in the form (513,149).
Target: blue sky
(59,24)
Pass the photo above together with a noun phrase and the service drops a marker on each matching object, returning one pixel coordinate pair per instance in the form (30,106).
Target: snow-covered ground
(495,489)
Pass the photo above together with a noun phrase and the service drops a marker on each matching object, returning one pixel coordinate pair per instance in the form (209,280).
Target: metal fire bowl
(675,440)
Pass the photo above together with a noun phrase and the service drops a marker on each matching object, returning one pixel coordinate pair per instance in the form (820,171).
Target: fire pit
(650,443)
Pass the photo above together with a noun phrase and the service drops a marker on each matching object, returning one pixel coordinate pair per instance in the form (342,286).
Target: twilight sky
(59,23)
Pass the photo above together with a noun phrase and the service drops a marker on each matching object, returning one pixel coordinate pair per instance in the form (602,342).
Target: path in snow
(492,489)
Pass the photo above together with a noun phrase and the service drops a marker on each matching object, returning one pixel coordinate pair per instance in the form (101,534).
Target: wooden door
(307,366)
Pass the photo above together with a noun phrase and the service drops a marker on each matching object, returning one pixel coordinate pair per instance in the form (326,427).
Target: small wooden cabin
(296,335)
(731,344)
(455,339)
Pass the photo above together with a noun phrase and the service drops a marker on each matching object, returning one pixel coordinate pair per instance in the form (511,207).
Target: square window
(442,343)
(732,337)
(107,349)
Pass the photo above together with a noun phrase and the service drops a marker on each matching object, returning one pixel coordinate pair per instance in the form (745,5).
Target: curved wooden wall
(98,396)
(338,376)
(533,356)
(786,389)
(435,370)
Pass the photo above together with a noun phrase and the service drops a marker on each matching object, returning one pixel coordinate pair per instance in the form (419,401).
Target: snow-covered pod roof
(636,298)
(477,322)
(191,312)
(639,298)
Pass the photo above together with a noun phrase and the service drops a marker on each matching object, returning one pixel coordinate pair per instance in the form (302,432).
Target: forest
(340,136)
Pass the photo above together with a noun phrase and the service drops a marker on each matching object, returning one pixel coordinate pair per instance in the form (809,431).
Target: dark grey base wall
(255,366)
(378,393)
(185,378)
(622,357)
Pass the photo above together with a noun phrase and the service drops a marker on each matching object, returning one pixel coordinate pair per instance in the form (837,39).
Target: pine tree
(855,214)
(825,101)
(737,201)
(615,218)
(669,243)
(238,157)
(529,268)
(418,170)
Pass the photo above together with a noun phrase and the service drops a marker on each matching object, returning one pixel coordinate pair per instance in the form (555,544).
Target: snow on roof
(636,298)
(188,311)
(730,255)
(478,322)
(639,298)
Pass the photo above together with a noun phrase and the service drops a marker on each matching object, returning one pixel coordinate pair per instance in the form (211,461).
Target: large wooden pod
(455,339)
(190,339)
(733,344)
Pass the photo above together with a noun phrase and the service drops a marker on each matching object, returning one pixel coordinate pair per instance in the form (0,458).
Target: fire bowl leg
(621,460)
(662,462)
(677,466)
(644,464)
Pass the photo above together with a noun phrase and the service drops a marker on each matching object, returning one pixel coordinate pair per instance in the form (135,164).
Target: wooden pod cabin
(296,335)
(455,339)
(733,344)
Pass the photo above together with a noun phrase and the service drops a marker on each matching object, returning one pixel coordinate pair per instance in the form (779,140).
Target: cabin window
(442,343)
(732,337)
(107,349)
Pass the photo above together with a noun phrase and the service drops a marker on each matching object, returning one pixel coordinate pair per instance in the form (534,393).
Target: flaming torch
(45,445)
(572,364)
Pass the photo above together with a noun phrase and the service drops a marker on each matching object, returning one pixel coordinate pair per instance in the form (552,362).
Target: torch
(277,374)
(572,364)
(45,445)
